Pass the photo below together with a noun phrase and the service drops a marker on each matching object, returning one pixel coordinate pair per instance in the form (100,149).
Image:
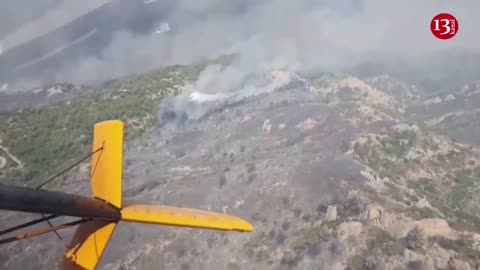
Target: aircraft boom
(50,202)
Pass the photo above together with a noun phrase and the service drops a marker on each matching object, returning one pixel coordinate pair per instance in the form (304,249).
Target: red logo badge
(444,26)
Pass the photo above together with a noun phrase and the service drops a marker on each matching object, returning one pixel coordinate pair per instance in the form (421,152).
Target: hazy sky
(302,33)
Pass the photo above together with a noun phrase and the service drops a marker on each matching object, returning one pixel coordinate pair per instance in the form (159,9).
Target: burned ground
(326,181)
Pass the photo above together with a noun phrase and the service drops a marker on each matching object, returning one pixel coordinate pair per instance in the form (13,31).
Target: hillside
(335,171)
(51,127)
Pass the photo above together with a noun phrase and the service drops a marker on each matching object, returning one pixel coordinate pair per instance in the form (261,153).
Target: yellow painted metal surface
(168,215)
(88,244)
(107,164)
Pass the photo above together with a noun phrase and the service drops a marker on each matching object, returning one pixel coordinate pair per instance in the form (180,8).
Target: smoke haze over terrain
(372,165)
(330,34)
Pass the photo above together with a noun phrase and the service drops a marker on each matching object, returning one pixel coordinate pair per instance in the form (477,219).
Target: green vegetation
(346,94)
(49,139)
(420,213)
(464,189)
(311,236)
(463,247)
(454,197)
(463,127)
(457,203)
(379,242)
(399,143)
(261,239)
(358,262)
(386,155)
(319,77)
(382,240)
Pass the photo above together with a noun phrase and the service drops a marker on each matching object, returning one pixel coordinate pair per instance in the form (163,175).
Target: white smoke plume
(332,34)
(217,88)
(329,33)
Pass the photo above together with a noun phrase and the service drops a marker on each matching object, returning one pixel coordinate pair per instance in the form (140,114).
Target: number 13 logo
(444,26)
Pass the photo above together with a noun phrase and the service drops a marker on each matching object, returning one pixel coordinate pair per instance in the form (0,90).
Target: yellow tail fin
(91,238)
(88,244)
(106,179)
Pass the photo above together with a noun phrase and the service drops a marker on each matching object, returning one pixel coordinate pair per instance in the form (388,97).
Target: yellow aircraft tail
(106,171)
(87,245)
(184,217)
(91,237)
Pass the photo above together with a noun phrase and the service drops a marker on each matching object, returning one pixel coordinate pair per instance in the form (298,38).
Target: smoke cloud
(22,21)
(332,34)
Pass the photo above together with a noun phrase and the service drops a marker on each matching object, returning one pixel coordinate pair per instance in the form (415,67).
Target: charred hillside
(333,170)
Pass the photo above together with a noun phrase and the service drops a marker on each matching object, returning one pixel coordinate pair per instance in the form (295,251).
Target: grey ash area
(325,182)
(275,160)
